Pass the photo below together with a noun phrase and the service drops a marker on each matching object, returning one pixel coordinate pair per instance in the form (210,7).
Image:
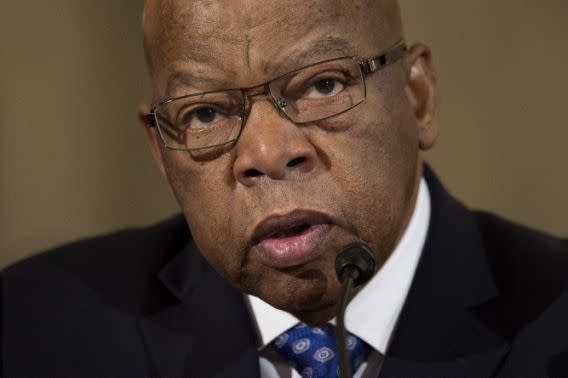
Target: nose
(271,146)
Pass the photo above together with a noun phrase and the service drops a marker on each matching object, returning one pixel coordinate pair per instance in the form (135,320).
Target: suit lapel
(208,332)
(438,330)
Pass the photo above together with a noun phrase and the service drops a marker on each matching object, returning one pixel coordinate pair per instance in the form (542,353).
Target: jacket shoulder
(528,266)
(121,266)
(520,247)
(78,306)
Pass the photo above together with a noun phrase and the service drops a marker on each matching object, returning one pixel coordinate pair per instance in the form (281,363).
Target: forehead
(242,42)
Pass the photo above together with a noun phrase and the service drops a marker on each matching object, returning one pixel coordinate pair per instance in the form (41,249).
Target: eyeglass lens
(306,95)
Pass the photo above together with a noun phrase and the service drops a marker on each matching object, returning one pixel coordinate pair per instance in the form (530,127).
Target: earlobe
(422,93)
(151,137)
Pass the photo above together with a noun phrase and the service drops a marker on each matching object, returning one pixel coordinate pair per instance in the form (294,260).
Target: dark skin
(361,168)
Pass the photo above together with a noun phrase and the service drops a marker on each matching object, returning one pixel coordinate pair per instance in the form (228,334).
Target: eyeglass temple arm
(378,62)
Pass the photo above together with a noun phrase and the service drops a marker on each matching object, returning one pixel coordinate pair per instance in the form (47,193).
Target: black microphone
(354,266)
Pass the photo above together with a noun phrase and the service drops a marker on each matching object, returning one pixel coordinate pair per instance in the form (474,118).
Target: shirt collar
(373,312)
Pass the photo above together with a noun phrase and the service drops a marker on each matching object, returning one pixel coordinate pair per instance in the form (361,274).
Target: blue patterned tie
(312,351)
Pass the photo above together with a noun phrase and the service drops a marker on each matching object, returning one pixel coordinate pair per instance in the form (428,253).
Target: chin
(309,293)
(318,317)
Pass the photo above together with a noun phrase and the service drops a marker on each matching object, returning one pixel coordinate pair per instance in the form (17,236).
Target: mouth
(291,239)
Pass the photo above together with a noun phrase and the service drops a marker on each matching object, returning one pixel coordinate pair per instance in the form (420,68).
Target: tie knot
(312,351)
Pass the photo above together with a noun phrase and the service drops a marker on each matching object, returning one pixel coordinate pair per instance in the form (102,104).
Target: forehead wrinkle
(247,52)
(323,48)
(212,50)
(319,48)
(178,80)
(278,16)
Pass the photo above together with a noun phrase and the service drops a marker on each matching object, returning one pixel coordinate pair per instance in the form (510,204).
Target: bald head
(193,27)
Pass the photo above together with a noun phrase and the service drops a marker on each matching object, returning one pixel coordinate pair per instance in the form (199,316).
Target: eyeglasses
(312,93)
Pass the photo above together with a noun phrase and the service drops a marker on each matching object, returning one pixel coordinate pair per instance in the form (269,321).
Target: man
(287,130)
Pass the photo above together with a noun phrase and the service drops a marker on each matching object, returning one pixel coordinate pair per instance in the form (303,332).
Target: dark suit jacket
(488,299)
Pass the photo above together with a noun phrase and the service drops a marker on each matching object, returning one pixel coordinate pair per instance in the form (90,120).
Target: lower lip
(294,250)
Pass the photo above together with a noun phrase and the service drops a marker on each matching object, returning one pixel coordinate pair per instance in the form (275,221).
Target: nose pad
(271,146)
(282,104)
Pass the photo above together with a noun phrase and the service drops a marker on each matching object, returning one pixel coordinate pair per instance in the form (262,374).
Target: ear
(422,93)
(154,141)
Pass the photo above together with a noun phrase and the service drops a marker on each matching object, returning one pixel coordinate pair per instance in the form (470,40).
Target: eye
(200,117)
(324,87)
(205,115)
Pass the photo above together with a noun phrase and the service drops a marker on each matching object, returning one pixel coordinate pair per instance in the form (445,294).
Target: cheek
(376,162)
(379,149)
(203,191)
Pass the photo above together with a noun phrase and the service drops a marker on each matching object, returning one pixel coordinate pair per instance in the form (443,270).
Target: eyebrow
(184,79)
(327,47)
(324,46)
(319,48)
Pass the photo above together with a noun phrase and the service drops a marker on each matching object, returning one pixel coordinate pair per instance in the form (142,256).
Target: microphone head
(356,256)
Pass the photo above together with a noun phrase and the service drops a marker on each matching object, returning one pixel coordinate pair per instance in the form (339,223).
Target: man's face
(271,211)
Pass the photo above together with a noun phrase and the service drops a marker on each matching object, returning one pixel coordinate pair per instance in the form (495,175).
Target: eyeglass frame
(366,66)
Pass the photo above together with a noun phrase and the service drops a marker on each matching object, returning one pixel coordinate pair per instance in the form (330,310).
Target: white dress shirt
(373,312)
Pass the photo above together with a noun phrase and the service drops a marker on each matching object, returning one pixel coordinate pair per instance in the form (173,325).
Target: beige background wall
(73,159)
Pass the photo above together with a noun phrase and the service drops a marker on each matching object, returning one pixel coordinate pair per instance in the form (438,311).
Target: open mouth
(293,231)
(287,225)
(291,239)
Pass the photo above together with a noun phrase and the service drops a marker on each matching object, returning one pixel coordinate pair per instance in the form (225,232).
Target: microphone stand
(348,278)
(354,265)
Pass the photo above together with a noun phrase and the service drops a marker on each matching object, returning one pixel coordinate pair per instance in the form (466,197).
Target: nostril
(296,161)
(253,172)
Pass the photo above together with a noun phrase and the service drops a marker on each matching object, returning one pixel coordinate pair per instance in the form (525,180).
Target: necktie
(313,353)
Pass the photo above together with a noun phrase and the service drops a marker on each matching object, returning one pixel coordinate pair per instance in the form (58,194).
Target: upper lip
(278,222)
